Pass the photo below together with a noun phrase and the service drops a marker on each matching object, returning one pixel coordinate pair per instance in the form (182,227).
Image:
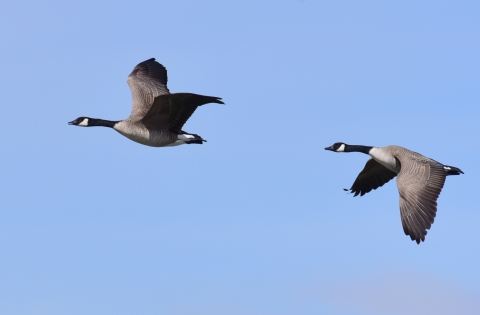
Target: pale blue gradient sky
(255,221)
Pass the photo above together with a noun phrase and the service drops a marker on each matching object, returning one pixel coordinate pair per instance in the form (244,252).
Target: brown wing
(171,111)
(419,184)
(372,176)
(147,81)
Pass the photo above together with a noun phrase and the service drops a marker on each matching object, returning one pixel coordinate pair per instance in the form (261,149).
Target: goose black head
(80,121)
(337,147)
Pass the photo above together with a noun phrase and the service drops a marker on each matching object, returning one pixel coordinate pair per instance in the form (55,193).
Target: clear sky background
(254,221)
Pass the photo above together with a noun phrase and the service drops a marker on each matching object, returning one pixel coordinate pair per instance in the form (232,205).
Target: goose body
(420,180)
(157,116)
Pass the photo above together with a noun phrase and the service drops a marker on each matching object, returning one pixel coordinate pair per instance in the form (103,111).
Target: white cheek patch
(341,148)
(84,123)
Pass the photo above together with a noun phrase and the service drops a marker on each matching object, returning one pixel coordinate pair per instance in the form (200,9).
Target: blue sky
(254,221)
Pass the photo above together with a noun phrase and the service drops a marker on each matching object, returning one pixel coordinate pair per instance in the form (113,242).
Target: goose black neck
(94,122)
(357,148)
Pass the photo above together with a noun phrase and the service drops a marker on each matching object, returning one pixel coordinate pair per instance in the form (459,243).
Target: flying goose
(157,115)
(420,181)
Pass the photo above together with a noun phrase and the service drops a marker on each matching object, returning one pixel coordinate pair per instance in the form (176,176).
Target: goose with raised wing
(420,181)
(157,116)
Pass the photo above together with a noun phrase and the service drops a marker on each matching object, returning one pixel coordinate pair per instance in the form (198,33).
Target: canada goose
(420,181)
(157,116)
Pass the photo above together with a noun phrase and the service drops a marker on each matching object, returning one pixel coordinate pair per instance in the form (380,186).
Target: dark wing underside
(372,176)
(419,185)
(171,111)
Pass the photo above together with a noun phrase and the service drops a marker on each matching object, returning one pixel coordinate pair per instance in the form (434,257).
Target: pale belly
(386,159)
(145,137)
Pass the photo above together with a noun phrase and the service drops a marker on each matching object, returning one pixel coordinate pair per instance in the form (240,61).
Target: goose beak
(330,148)
(71,122)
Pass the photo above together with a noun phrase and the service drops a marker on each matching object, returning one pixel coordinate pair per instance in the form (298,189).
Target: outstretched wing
(171,111)
(372,176)
(147,81)
(419,184)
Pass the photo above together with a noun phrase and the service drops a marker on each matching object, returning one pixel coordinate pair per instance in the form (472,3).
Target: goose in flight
(157,115)
(420,181)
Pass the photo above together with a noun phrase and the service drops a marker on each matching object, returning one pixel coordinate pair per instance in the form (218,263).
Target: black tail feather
(452,170)
(196,140)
